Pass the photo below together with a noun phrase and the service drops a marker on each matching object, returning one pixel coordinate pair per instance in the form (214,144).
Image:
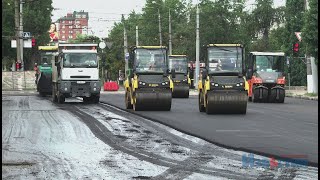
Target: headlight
(95,84)
(163,83)
(166,82)
(212,84)
(140,82)
(143,83)
(241,84)
(238,84)
(216,85)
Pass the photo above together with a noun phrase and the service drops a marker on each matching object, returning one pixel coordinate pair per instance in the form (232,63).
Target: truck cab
(76,73)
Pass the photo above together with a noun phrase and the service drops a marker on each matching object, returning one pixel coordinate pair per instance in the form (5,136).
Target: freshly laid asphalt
(278,130)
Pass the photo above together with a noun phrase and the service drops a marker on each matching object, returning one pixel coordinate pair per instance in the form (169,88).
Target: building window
(70,36)
(77,22)
(70,32)
(63,37)
(70,27)
(63,32)
(63,26)
(70,22)
(63,21)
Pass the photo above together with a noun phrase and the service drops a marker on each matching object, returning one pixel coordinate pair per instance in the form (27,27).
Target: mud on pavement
(79,141)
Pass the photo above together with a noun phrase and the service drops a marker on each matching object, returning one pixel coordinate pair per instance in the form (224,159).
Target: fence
(18,80)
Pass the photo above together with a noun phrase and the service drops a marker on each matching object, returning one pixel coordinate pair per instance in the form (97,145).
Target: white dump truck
(75,73)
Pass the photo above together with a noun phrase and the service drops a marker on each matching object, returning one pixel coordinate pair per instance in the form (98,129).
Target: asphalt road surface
(75,140)
(289,129)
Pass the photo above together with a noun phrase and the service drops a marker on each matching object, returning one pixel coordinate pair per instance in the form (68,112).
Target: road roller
(44,74)
(222,85)
(182,81)
(266,77)
(147,85)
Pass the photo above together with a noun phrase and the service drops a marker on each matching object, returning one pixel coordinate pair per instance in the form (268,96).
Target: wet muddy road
(95,141)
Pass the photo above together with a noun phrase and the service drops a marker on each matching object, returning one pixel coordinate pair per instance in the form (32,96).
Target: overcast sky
(103,13)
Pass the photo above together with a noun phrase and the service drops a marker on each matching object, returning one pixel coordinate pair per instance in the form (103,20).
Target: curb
(303,97)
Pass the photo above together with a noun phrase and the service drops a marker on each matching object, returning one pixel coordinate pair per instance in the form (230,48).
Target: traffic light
(18,66)
(33,40)
(296,48)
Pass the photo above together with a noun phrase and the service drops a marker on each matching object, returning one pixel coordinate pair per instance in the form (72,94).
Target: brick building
(72,24)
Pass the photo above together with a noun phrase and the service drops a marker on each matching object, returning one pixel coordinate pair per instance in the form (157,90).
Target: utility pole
(196,77)
(160,27)
(137,36)
(170,36)
(21,39)
(125,46)
(17,28)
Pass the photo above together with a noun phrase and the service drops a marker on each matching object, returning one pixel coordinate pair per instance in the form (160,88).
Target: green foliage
(265,28)
(8,33)
(36,19)
(310,29)
(85,39)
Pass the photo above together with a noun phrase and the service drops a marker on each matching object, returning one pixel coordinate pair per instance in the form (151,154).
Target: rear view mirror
(204,74)
(165,72)
(173,73)
(130,73)
(56,61)
(249,74)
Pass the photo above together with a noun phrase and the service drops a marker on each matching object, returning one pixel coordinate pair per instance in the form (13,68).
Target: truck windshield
(150,60)
(265,63)
(179,64)
(47,57)
(85,60)
(224,59)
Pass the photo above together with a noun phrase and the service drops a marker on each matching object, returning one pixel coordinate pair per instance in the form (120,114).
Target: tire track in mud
(175,139)
(204,149)
(179,167)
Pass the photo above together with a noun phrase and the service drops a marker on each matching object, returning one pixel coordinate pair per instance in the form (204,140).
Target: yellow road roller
(147,85)
(222,85)
(181,81)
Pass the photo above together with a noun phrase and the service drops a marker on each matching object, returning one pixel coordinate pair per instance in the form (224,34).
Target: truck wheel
(61,99)
(201,103)
(96,99)
(54,96)
(86,100)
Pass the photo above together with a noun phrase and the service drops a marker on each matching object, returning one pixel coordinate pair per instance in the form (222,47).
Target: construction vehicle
(222,85)
(44,72)
(182,81)
(75,73)
(147,85)
(266,77)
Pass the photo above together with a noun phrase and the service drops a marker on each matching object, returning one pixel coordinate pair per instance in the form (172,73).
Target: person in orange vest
(36,69)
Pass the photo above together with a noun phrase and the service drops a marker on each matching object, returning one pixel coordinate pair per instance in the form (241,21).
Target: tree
(263,18)
(8,33)
(37,19)
(294,21)
(310,29)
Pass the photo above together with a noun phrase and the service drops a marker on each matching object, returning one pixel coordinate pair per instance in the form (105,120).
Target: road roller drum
(152,99)
(225,102)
